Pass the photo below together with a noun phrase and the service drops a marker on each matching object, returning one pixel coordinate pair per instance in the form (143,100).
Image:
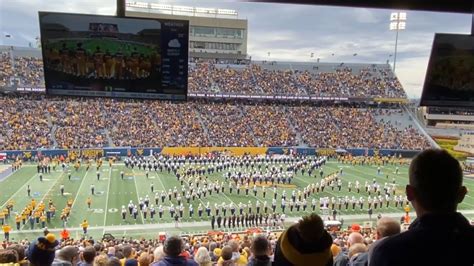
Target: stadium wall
(236,151)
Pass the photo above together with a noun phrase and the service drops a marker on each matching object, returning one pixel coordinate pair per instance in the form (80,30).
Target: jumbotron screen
(90,55)
(450,76)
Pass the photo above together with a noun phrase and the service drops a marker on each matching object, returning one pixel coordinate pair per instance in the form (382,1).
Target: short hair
(144,259)
(173,246)
(114,261)
(127,251)
(20,250)
(260,245)
(436,177)
(101,260)
(234,245)
(311,228)
(68,253)
(8,256)
(387,226)
(357,248)
(226,253)
(89,254)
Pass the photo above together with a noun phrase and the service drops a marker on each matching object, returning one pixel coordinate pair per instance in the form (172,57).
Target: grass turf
(104,215)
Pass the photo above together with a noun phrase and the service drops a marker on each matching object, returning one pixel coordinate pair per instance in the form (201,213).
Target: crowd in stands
(23,124)
(80,124)
(154,124)
(6,71)
(207,76)
(21,71)
(84,123)
(256,79)
(253,247)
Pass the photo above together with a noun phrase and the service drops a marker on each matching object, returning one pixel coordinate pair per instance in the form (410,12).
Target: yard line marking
(78,190)
(161,182)
(21,188)
(138,195)
(107,199)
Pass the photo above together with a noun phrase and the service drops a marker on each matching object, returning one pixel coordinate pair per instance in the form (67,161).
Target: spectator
(343,258)
(385,227)
(173,248)
(128,254)
(238,257)
(144,259)
(439,235)
(354,252)
(111,252)
(158,255)
(66,256)
(87,256)
(202,257)
(20,250)
(8,256)
(260,249)
(41,251)
(226,258)
(114,262)
(101,260)
(304,242)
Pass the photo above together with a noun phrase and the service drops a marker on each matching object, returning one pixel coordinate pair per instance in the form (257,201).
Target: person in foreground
(173,248)
(439,235)
(305,243)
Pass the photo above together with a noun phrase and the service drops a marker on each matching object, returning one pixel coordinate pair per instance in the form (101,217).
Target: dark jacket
(174,261)
(433,239)
(292,250)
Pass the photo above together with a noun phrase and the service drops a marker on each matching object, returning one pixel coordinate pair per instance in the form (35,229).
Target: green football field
(113,192)
(113,46)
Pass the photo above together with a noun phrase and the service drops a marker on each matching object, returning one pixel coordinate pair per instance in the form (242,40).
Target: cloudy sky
(288,32)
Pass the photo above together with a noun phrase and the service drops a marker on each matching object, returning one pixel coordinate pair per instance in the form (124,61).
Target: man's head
(356,249)
(69,253)
(354,238)
(20,250)
(387,227)
(173,246)
(226,253)
(435,182)
(8,256)
(88,254)
(260,246)
(127,251)
(310,228)
(234,245)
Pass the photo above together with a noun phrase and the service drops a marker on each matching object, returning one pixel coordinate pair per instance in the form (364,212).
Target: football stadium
(261,158)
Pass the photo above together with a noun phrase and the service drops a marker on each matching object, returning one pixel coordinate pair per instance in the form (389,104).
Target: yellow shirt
(6,228)
(84,224)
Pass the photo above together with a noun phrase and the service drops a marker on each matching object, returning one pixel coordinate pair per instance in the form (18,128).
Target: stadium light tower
(397,23)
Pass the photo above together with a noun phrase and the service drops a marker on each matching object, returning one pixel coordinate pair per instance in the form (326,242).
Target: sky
(288,32)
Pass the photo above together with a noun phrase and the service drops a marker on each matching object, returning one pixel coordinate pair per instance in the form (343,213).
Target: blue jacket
(175,261)
(433,239)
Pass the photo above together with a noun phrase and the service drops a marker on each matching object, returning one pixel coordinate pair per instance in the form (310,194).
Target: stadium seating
(39,122)
(86,123)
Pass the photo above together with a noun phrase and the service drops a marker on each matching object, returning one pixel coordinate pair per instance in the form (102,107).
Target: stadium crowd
(21,71)
(256,79)
(370,81)
(84,123)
